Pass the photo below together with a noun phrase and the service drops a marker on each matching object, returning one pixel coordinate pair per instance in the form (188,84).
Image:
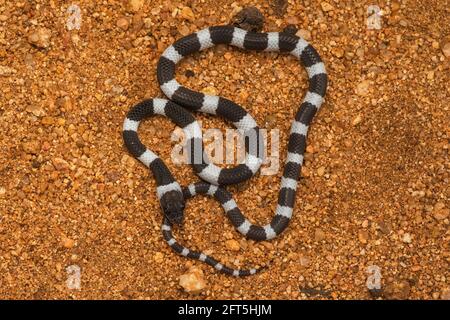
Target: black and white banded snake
(171,195)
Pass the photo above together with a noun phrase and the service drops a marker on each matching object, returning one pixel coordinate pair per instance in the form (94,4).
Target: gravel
(70,195)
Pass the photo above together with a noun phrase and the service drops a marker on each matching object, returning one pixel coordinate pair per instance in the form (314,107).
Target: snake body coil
(170,193)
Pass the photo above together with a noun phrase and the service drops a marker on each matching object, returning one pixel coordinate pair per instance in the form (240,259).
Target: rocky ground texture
(373,198)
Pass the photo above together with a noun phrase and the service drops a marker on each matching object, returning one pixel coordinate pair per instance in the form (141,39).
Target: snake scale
(171,195)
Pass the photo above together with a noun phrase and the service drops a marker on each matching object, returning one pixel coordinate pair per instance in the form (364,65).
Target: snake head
(172,203)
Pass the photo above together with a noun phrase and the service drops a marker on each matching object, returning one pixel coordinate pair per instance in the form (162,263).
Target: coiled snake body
(172,197)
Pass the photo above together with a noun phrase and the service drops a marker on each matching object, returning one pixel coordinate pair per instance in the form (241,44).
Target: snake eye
(172,203)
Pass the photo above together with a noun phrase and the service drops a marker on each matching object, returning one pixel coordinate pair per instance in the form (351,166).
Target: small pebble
(446,49)
(137,23)
(326,7)
(193,281)
(356,120)
(232,245)
(187,13)
(304,261)
(338,52)
(60,164)
(310,149)
(117,90)
(184,30)
(123,23)
(363,236)
(210,90)
(440,212)
(68,243)
(406,238)
(135,5)
(319,235)
(303,33)
(244,95)
(292,20)
(159,257)
(40,38)
(228,55)
(320,171)
(363,87)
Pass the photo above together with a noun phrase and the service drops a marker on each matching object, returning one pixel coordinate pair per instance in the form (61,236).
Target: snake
(178,106)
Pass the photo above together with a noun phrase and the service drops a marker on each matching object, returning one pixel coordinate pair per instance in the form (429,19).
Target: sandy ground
(373,198)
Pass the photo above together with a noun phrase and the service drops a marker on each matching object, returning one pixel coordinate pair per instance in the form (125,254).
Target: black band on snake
(172,197)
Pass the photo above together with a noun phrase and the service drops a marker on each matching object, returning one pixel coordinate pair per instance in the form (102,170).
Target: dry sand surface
(374,190)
